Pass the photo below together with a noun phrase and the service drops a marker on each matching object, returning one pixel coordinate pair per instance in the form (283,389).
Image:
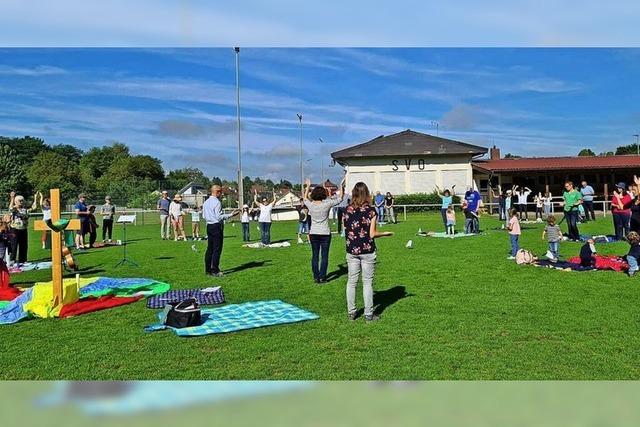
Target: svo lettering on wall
(407,164)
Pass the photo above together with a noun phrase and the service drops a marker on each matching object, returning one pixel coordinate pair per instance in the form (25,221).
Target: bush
(422,199)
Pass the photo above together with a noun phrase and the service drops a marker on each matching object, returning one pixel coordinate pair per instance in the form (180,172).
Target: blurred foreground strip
(301,404)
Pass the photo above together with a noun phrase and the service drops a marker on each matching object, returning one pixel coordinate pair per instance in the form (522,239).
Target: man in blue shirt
(587,201)
(473,199)
(82,211)
(163,210)
(212,213)
(379,201)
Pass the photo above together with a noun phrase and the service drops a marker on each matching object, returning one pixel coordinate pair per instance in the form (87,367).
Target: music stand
(124,220)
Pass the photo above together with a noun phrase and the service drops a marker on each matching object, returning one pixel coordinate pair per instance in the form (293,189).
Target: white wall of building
(406,175)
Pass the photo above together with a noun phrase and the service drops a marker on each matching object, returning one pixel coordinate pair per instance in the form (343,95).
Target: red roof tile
(560,163)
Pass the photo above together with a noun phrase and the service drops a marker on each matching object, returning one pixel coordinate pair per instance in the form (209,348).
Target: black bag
(183,314)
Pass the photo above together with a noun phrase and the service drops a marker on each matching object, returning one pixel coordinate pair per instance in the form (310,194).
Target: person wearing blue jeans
(447,200)
(265,216)
(634,252)
(320,244)
(379,201)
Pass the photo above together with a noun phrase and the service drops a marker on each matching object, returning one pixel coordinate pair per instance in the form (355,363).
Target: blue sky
(179,104)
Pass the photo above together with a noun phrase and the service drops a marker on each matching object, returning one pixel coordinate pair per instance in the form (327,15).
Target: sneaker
(632,273)
(218,274)
(352,316)
(372,318)
(549,255)
(511,257)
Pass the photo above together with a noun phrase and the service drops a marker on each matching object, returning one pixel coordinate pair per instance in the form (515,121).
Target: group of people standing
(471,204)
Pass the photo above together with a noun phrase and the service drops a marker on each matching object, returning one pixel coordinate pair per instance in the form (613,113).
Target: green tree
(512,156)
(72,153)
(52,170)
(11,173)
(178,178)
(627,149)
(586,152)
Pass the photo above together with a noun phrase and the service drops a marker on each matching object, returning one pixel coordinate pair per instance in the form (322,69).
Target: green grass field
(452,309)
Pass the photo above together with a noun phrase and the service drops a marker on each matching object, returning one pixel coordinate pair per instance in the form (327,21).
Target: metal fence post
(405,212)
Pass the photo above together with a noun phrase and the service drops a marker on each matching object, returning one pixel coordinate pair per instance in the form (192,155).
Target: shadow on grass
(247,265)
(336,274)
(165,257)
(280,241)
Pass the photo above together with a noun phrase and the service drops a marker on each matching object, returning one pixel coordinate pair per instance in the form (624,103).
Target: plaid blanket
(238,317)
(207,296)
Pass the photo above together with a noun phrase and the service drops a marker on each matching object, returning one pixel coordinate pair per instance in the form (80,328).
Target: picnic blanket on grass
(262,245)
(562,265)
(606,262)
(599,238)
(445,235)
(206,296)
(30,266)
(238,317)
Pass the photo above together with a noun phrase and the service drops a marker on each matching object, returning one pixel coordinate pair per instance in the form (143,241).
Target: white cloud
(41,70)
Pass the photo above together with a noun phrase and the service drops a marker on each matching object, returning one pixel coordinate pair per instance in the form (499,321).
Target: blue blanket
(238,317)
(13,312)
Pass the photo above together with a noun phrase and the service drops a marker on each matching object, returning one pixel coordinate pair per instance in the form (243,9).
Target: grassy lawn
(453,309)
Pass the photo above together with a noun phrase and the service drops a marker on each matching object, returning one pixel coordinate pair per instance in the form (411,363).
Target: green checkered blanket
(238,317)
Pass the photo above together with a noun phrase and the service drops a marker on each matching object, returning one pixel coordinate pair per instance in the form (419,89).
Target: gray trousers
(366,264)
(165,228)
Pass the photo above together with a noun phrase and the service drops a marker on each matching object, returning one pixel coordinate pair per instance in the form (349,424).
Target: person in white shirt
(523,194)
(245,220)
(195,223)
(177,218)
(265,216)
(212,212)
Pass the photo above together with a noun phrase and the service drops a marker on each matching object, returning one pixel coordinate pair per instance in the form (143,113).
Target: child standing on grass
(244,220)
(360,226)
(634,252)
(514,232)
(195,223)
(93,226)
(553,234)
(451,221)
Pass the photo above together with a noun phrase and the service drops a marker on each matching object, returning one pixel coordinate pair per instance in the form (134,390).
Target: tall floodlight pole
(321,161)
(301,162)
(637,135)
(437,125)
(240,183)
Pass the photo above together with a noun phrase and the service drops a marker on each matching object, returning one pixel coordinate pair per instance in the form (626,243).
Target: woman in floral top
(360,226)
(20,227)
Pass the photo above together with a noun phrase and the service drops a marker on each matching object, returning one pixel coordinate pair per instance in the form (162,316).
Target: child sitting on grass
(634,252)
(553,234)
(587,254)
(451,220)
(514,232)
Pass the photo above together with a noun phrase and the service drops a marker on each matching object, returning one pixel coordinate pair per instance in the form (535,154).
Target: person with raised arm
(265,215)
(446,198)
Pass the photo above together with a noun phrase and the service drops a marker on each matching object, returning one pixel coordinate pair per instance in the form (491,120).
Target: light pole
(301,163)
(240,183)
(437,125)
(637,135)
(321,161)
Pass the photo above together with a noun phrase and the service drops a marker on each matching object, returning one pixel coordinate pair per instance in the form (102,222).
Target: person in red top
(621,203)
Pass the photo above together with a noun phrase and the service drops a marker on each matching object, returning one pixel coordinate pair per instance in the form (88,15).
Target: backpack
(524,256)
(183,314)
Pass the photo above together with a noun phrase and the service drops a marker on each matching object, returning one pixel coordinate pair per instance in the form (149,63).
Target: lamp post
(240,183)
(301,162)
(637,135)
(321,161)
(437,125)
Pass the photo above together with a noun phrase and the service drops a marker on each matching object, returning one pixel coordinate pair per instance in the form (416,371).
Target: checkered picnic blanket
(238,317)
(207,296)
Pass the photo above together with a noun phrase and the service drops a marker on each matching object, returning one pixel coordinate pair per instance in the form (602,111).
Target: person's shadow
(386,298)
(336,274)
(247,265)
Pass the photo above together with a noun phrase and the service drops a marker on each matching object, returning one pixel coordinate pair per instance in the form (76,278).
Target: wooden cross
(56,244)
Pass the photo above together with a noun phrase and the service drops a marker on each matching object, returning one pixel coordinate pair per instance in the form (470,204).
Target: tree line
(28,164)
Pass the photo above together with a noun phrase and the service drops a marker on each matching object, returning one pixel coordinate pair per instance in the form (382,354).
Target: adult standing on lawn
(320,205)
(621,203)
(19,224)
(389,203)
(634,224)
(523,195)
(474,200)
(571,200)
(587,201)
(265,216)
(82,211)
(163,210)
(212,212)
(447,200)
(108,211)
(379,201)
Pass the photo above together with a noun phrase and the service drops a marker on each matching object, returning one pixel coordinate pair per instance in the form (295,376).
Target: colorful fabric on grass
(562,265)
(238,317)
(36,301)
(3,304)
(30,266)
(123,287)
(91,304)
(606,262)
(207,296)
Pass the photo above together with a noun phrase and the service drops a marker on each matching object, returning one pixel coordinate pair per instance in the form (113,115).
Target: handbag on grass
(183,314)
